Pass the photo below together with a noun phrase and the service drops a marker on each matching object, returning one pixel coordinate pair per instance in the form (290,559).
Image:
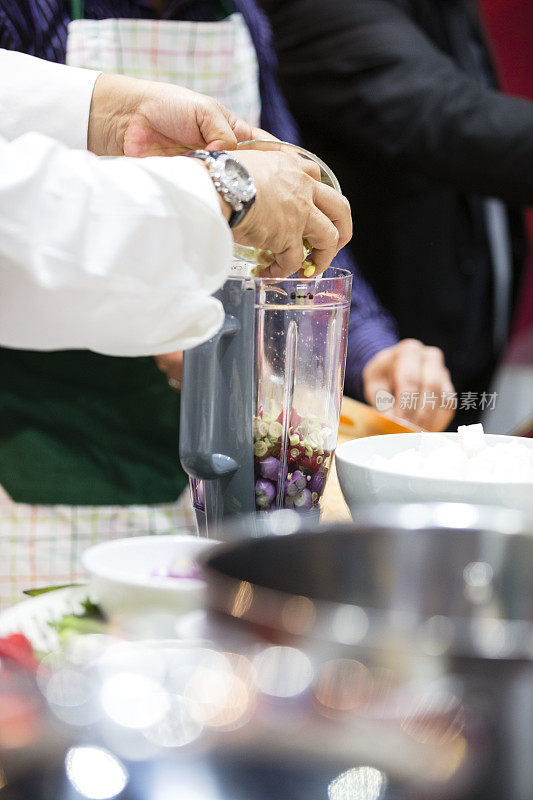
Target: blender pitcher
(261,400)
(300,340)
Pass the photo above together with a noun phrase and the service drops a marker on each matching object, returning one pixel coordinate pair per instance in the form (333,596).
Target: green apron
(79,428)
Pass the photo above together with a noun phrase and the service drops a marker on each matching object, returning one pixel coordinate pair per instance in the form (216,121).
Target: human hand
(172,365)
(413,370)
(146,118)
(292,204)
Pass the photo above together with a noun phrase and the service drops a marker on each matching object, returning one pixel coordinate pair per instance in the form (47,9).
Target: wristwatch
(231,179)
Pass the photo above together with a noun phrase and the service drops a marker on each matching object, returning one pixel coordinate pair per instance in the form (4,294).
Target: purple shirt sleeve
(371,328)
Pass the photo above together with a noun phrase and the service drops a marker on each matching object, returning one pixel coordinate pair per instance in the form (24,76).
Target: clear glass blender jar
(261,400)
(261,427)
(300,344)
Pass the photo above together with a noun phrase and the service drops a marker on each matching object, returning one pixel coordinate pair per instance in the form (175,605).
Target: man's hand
(292,204)
(419,374)
(145,118)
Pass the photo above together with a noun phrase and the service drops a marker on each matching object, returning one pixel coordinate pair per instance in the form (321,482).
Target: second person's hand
(172,365)
(417,373)
(292,204)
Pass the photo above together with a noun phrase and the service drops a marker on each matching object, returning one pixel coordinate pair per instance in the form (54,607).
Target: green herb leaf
(45,589)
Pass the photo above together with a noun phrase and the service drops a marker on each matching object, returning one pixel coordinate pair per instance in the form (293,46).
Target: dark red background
(510,27)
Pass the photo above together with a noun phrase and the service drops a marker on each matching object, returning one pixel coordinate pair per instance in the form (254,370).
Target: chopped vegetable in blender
(308,455)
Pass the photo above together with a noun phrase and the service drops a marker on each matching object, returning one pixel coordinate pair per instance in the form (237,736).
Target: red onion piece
(265,493)
(269,468)
(317,482)
(303,500)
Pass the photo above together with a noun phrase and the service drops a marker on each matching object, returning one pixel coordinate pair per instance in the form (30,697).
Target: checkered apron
(214,58)
(41,545)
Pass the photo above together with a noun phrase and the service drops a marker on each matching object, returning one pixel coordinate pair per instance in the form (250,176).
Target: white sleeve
(118,255)
(37,95)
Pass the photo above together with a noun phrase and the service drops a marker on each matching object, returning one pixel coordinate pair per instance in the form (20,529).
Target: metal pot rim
(315,618)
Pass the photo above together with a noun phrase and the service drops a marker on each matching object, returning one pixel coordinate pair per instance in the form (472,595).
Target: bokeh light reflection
(478,577)
(282,671)
(437,717)
(134,701)
(179,727)
(350,624)
(218,699)
(95,773)
(71,696)
(243,599)
(360,783)
(298,615)
(344,685)
(436,635)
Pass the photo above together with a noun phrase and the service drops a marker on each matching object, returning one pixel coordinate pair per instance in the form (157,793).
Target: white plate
(32,617)
(122,581)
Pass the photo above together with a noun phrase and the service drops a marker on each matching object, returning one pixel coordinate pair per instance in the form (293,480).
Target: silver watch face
(235,178)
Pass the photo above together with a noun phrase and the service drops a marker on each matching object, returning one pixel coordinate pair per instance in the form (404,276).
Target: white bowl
(365,484)
(122,574)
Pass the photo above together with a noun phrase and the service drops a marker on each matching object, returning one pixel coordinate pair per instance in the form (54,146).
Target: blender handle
(199,393)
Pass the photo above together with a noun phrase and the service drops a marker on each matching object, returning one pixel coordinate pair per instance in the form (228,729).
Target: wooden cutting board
(357,420)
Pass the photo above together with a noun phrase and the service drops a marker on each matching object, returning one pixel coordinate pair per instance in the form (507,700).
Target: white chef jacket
(118,255)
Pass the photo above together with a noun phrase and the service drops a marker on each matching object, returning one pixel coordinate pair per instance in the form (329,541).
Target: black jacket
(391,94)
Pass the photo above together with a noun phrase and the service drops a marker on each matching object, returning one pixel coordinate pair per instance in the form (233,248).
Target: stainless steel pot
(414,616)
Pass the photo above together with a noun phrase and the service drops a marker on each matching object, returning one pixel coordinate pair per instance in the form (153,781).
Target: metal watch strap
(203,155)
(237,214)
